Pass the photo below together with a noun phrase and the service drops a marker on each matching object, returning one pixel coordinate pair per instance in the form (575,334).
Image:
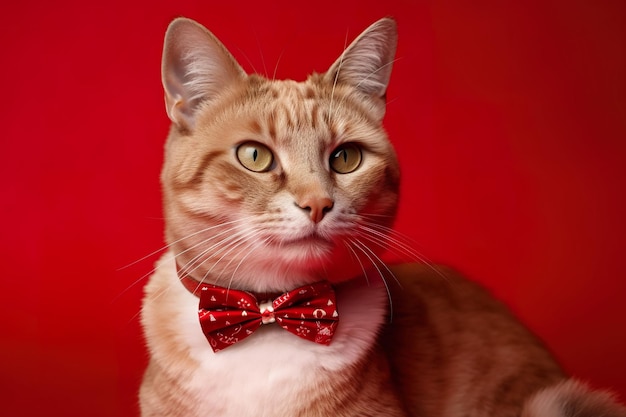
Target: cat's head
(272,184)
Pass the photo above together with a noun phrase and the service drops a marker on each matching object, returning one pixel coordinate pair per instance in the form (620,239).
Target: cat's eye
(255,156)
(346,158)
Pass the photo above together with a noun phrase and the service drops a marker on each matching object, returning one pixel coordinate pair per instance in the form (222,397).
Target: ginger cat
(271,186)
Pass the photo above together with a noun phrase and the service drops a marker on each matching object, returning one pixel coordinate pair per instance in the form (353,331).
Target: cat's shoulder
(426,297)
(432,284)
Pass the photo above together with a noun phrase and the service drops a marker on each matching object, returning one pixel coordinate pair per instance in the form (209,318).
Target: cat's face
(273,184)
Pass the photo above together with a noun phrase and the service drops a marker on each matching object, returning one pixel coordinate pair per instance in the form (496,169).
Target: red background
(509,119)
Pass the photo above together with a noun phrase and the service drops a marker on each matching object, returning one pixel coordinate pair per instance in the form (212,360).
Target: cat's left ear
(366,63)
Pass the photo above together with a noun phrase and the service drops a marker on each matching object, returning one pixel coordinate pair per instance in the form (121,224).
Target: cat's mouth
(313,239)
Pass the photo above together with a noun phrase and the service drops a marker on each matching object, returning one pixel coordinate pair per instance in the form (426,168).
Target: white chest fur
(263,374)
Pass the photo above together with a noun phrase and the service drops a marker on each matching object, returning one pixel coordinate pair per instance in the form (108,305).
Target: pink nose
(317,207)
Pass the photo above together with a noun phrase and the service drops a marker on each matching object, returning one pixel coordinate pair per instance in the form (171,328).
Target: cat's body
(271,185)
(453,351)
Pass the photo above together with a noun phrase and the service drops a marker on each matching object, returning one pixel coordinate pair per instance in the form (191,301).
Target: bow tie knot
(228,316)
(267,312)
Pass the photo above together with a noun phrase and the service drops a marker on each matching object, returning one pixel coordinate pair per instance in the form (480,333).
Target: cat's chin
(314,258)
(312,243)
(304,252)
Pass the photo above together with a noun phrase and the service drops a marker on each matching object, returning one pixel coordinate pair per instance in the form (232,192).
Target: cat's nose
(316,207)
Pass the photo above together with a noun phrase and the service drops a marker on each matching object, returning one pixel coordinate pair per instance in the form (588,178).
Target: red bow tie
(228,316)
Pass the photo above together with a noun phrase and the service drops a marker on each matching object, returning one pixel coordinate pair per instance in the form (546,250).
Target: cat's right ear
(196,67)
(366,63)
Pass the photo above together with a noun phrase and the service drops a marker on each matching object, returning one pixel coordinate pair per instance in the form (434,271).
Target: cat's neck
(195,287)
(262,276)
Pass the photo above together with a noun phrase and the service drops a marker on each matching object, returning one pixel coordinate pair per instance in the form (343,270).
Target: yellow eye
(255,157)
(346,158)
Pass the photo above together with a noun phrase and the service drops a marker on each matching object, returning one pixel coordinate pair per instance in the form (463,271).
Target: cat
(271,186)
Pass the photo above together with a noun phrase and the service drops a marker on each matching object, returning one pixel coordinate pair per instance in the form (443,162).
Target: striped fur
(450,351)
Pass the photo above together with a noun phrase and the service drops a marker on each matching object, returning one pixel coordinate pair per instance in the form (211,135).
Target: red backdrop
(509,119)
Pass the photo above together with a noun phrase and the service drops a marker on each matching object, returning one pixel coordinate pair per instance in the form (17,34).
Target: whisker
(332,93)
(242,241)
(248,60)
(380,261)
(252,245)
(382,237)
(228,244)
(376,71)
(384,240)
(388,216)
(172,257)
(180,240)
(277,63)
(258,43)
(232,245)
(365,249)
(184,268)
(196,262)
(358,260)
(241,236)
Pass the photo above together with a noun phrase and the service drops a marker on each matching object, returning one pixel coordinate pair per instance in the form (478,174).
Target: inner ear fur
(366,64)
(195,68)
